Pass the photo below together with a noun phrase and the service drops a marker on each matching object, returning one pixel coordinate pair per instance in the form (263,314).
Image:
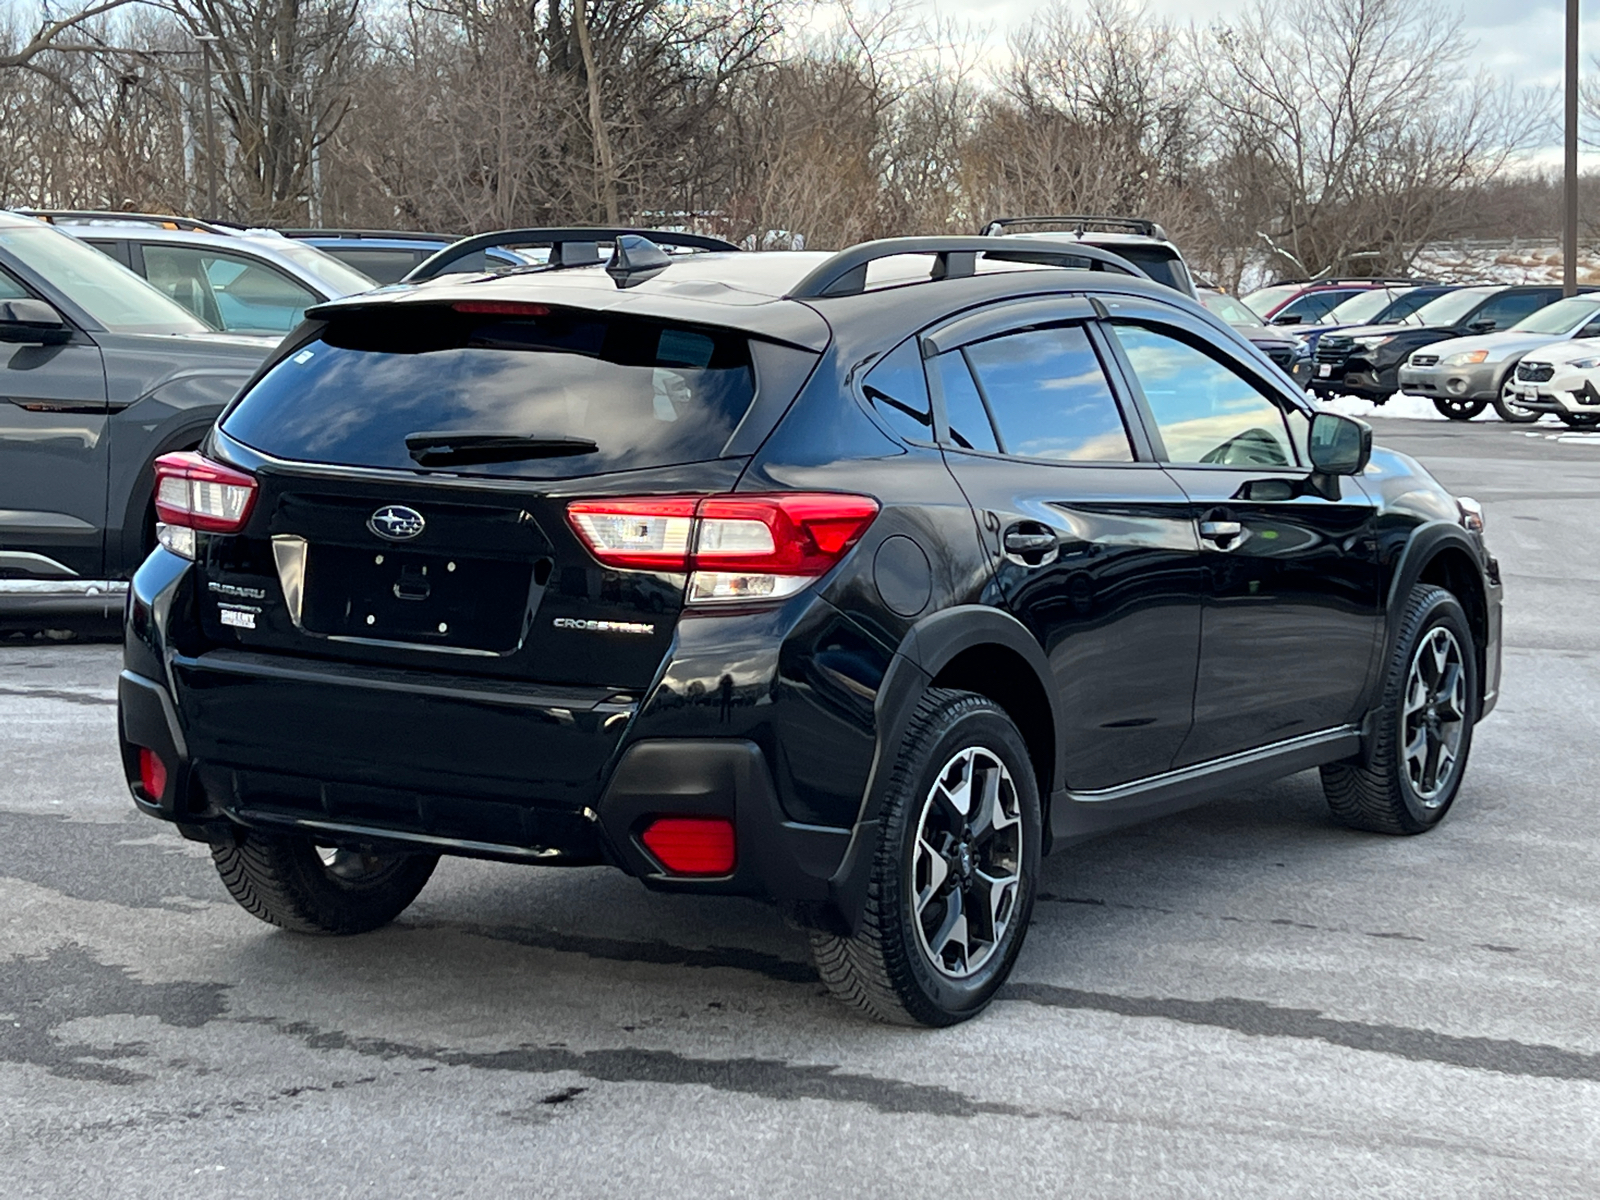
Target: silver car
(1480,367)
(236,281)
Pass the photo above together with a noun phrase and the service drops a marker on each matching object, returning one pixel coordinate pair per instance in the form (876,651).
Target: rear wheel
(1459,410)
(1505,404)
(953,873)
(292,882)
(1424,727)
(1581,420)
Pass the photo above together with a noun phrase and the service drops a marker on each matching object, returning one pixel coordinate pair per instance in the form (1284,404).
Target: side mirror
(32,322)
(1340,445)
(1483,325)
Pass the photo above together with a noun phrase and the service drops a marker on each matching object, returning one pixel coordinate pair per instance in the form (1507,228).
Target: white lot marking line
(1577,437)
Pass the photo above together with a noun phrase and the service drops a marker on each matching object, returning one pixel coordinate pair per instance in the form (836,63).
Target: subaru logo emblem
(396,522)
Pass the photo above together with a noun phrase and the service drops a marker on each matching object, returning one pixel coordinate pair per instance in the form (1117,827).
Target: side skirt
(1077,816)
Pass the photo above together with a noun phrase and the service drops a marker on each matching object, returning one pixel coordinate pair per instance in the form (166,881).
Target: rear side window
(383,265)
(646,393)
(898,391)
(1049,396)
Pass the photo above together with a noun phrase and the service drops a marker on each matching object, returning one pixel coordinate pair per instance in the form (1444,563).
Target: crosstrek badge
(604,626)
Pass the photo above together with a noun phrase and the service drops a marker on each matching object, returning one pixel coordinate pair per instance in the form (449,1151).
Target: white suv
(1560,379)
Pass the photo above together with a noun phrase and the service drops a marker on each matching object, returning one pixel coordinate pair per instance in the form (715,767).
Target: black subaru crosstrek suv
(855,582)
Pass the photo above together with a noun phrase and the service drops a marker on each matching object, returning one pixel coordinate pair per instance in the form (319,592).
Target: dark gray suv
(100,374)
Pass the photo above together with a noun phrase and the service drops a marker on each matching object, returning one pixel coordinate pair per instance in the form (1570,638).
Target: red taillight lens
(152,774)
(738,547)
(692,845)
(196,493)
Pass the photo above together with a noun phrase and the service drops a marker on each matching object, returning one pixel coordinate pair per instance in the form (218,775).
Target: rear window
(646,393)
(1161,264)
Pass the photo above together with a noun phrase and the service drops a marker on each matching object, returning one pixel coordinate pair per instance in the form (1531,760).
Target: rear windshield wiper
(465,449)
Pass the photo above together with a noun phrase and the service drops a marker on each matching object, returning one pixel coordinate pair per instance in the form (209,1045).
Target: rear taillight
(732,547)
(194,493)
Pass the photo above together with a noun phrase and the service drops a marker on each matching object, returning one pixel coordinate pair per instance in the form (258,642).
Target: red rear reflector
(502,308)
(152,774)
(692,845)
(196,493)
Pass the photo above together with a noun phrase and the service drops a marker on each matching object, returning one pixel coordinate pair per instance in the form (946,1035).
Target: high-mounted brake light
(193,493)
(743,547)
(502,308)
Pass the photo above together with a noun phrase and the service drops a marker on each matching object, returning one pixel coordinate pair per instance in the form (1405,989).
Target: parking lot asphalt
(1243,1000)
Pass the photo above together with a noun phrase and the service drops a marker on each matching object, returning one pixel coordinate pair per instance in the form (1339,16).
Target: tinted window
(228,291)
(384,266)
(898,390)
(1508,308)
(1161,264)
(963,406)
(1310,307)
(647,393)
(1206,411)
(1049,396)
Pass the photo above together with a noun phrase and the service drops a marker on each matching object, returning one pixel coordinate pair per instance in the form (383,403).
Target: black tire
(1507,409)
(1459,410)
(888,970)
(286,881)
(1574,420)
(1388,793)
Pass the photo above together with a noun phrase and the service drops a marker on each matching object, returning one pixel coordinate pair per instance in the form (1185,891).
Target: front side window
(116,298)
(1506,309)
(898,392)
(1049,396)
(1205,411)
(229,292)
(1311,307)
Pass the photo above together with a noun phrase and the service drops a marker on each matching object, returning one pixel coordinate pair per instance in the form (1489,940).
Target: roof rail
(845,274)
(1080,223)
(568,247)
(1346,280)
(413,234)
(86,216)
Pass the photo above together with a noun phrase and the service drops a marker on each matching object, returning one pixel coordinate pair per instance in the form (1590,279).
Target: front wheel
(1581,420)
(953,873)
(1505,404)
(292,882)
(1459,410)
(1423,731)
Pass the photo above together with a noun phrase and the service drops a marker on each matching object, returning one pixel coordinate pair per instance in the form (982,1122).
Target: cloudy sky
(1516,40)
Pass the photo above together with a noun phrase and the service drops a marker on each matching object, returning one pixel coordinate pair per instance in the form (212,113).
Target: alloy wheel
(966,868)
(1435,715)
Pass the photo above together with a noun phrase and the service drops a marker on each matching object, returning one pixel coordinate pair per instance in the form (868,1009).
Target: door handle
(1222,534)
(1018,542)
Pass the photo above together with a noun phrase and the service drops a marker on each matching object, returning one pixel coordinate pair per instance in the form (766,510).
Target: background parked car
(1303,301)
(1365,360)
(1560,379)
(1141,242)
(1280,347)
(235,281)
(1374,306)
(99,374)
(1478,369)
(388,256)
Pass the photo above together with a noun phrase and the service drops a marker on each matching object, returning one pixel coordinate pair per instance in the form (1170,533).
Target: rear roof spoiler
(568,247)
(845,274)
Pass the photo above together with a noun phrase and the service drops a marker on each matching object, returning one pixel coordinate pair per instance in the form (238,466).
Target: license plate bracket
(430,599)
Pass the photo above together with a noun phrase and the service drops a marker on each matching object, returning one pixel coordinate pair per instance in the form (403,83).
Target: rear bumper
(474,816)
